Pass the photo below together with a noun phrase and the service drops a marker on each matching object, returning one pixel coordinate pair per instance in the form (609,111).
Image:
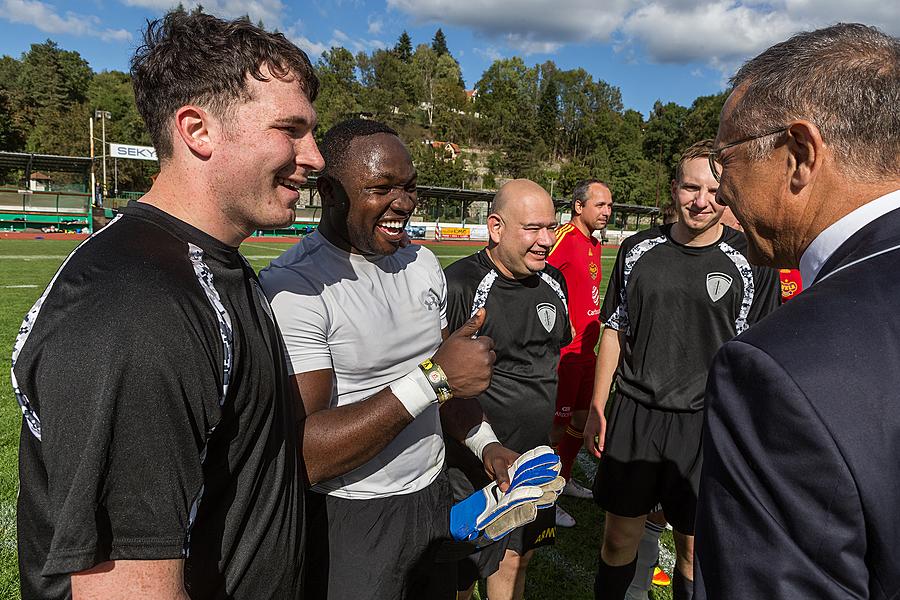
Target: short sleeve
(304,324)
(443,285)
(125,416)
(459,299)
(768,293)
(614,312)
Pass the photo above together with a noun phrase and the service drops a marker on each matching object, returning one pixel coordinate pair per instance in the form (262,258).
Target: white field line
(32,256)
(27,285)
(273,245)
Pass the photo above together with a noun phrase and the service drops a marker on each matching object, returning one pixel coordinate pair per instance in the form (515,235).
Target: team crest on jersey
(595,295)
(547,315)
(717,284)
(592,269)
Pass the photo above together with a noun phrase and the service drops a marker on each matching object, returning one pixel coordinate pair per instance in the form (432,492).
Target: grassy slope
(564,571)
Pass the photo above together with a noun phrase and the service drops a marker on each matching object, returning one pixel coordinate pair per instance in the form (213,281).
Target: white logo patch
(547,315)
(717,284)
(430,300)
(595,295)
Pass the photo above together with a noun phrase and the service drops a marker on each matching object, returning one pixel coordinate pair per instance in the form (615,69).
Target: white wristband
(479,437)
(414,392)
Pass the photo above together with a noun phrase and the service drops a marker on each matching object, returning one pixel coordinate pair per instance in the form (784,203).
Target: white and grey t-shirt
(371,320)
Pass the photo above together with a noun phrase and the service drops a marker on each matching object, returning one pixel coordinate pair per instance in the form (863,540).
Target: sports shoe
(564,519)
(576,490)
(660,577)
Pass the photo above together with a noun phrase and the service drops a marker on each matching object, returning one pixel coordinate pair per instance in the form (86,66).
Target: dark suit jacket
(800,493)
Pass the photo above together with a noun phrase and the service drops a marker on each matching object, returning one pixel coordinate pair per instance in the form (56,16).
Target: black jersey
(528,321)
(157,420)
(677,305)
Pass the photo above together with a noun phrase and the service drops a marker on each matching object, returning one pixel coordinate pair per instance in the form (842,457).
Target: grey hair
(845,79)
(582,190)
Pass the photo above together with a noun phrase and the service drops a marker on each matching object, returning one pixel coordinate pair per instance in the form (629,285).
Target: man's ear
(332,192)
(192,124)
(577,207)
(495,226)
(673,190)
(806,150)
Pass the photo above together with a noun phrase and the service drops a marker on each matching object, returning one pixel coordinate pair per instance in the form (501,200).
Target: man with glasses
(801,483)
(676,294)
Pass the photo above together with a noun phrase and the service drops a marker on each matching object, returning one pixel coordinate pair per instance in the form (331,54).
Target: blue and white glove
(492,513)
(540,467)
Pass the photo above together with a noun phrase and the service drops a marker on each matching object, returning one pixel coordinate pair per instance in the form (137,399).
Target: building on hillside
(450,149)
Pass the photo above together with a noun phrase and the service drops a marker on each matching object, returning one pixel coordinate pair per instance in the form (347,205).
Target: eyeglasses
(715,165)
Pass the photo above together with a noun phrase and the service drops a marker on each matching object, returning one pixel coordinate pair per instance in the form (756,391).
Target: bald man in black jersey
(527,318)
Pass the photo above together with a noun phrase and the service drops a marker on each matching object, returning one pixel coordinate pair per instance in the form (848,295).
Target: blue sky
(671,50)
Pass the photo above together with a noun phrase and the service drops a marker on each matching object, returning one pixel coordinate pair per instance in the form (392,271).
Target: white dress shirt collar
(840,231)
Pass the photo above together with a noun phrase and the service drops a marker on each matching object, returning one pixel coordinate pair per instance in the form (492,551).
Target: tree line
(551,125)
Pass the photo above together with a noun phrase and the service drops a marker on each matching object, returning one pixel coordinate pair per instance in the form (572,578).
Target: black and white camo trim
(205,278)
(484,288)
(554,285)
(743,267)
(28,412)
(619,319)
(482,291)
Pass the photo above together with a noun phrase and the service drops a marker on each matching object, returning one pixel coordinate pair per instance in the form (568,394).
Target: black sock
(682,587)
(611,583)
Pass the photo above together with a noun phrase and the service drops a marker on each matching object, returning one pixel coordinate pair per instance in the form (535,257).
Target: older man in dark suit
(800,494)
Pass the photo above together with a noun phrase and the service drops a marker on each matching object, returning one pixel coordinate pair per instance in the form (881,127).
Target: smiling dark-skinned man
(800,488)
(363,315)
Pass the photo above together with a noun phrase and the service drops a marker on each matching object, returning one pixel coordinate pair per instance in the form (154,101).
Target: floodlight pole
(103,115)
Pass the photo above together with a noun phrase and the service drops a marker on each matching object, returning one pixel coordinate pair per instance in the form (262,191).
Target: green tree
(52,77)
(404,49)
(548,114)
(663,142)
(439,43)
(339,97)
(702,120)
(437,83)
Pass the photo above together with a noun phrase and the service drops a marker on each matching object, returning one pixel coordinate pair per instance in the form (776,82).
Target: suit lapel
(878,236)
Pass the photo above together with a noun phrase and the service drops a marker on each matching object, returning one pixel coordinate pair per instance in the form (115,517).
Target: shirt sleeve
(614,312)
(768,293)
(558,256)
(304,324)
(125,417)
(458,302)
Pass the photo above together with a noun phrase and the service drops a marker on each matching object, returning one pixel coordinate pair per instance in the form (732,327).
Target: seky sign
(137,152)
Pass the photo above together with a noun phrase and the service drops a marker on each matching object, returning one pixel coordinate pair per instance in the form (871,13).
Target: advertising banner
(135,152)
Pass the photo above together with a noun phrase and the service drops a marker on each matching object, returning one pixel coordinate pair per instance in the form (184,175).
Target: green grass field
(563,572)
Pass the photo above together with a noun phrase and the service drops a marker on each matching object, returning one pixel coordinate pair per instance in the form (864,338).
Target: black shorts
(379,548)
(651,456)
(485,562)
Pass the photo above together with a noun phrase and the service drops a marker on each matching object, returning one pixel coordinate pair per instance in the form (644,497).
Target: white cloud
(313,49)
(376,25)
(718,33)
(490,53)
(527,25)
(44,17)
(295,33)
(339,38)
(270,12)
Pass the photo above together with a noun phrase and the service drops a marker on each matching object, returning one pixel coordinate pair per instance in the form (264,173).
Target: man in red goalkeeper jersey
(577,255)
